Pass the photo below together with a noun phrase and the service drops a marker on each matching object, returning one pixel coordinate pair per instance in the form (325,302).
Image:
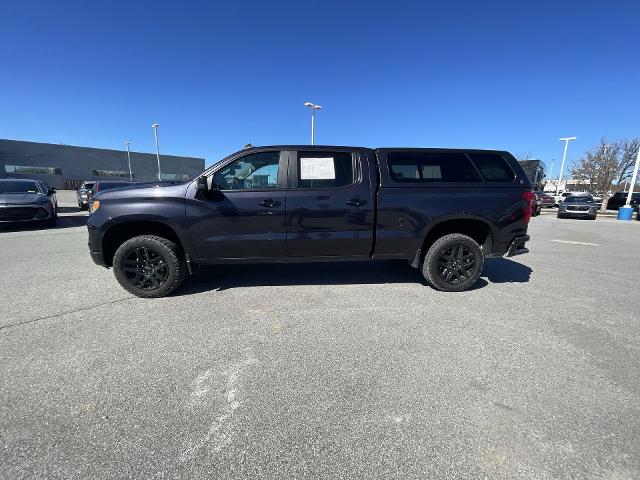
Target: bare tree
(600,168)
(629,150)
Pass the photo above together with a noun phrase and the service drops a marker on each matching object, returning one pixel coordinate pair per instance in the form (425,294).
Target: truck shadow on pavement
(66,221)
(224,277)
(70,210)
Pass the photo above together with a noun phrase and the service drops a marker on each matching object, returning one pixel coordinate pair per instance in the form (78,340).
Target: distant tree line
(607,165)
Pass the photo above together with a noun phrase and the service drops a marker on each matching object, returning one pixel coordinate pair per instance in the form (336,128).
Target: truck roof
(351,147)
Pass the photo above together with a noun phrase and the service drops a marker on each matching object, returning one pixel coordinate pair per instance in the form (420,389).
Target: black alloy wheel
(149,266)
(453,263)
(145,268)
(456,264)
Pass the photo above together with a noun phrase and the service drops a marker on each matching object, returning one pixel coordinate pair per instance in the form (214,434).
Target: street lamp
(634,177)
(313,107)
(566,141)
(127,142)
(155,134)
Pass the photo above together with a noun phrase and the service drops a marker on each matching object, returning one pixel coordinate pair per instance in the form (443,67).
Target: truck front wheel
(149,266)
(453,263)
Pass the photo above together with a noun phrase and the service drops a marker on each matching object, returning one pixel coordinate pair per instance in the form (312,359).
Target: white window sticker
(317,169)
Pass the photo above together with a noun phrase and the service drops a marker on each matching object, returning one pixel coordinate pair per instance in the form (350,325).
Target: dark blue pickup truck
(442,210)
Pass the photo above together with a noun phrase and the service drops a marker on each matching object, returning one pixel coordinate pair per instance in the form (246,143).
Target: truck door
(330,205)
(245,217)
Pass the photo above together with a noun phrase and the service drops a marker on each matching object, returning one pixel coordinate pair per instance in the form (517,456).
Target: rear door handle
(354,202)
(269,203)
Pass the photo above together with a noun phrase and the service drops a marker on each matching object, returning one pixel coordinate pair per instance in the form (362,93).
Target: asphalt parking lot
(326,370)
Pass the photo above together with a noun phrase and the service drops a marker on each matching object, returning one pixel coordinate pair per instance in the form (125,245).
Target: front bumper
(516,247)
(98,259)
(577,213)
(26,213)
(95,245)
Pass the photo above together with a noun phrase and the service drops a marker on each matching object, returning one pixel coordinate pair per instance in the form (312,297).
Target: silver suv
(82,194)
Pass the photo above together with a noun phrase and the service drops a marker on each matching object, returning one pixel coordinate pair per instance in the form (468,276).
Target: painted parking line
(575,243)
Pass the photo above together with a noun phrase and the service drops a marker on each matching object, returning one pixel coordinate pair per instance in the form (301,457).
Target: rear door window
(325,169)
(430,167)
(493,167)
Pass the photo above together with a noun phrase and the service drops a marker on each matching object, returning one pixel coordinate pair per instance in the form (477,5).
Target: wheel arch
(478,228)
(118,233)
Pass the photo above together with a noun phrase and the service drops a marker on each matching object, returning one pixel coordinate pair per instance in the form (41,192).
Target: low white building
(568,185)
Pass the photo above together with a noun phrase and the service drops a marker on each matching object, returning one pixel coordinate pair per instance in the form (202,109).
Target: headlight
(95,205)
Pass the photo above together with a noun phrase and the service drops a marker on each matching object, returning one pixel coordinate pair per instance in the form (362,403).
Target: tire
(454,246)
(163,270)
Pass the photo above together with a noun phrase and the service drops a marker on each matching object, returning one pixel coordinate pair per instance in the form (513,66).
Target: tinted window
(623,195)
(258,171)
(579,199)
(29,169)
(325,169)
(431,167)
(19,187)
(493,167)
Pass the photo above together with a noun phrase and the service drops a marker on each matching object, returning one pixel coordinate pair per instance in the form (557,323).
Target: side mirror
(51,191)
(203,185)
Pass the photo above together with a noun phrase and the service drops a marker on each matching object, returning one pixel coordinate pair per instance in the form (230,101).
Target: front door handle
(354,202)
(269,203)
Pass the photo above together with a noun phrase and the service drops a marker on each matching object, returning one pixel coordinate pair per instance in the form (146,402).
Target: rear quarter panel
(408,211)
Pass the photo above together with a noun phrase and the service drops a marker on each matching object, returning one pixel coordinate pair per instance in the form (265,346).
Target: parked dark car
(442,210)
(26,201)
(619,199)
(102,185)
(578,206)
(546,200)
(82,194)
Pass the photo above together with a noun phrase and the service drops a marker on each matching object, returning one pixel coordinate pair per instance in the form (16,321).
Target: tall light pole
(313,107)
(155,134)
(127,142)
(566,141)
(553,161)
(634,177)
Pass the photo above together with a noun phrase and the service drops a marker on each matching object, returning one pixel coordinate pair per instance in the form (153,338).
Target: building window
(112,173)
(32,170)
(174,176)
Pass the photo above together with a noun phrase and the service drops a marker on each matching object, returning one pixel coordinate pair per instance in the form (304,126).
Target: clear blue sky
(508,75)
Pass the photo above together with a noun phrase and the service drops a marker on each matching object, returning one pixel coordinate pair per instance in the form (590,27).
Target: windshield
(19,187)
(580,199)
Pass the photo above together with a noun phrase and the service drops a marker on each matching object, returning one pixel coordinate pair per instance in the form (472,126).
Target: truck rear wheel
(453,263)
(149,266)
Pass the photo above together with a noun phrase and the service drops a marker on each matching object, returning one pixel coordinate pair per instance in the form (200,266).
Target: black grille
(578,209)
(16,214)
